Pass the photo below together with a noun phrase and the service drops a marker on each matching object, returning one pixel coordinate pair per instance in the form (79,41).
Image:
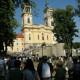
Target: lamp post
(43,44)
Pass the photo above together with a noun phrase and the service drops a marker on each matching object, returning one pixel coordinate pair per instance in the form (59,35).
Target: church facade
(34,35)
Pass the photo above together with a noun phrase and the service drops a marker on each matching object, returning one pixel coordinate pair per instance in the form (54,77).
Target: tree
(76,45)
(64,27)
(19,3)
(7,24)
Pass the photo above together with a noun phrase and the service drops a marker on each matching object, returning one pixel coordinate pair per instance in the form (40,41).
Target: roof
(19,35)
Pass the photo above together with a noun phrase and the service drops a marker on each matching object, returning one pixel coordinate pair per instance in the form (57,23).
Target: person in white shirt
(44,69)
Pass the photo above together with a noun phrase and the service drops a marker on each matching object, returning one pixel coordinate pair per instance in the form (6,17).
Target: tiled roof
(19,35)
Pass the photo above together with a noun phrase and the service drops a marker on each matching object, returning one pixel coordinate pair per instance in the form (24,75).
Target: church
(34,36)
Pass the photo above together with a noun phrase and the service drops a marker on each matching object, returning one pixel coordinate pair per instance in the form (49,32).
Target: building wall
(38,35)
(58,49)
(49,50)
(18,45)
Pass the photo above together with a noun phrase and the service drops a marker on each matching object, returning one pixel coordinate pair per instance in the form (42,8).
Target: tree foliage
(76,45)
(7,21)
(19,3)
(7,24)
(64,28)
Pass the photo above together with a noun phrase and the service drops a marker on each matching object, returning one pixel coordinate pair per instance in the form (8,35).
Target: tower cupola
(27,8)
(27,15)
(48,18)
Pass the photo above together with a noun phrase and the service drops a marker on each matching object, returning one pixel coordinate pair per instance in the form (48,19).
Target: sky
(40,8)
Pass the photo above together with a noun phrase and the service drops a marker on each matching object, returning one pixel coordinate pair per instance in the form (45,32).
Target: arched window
(42,36)
(47,37)
(29,36)
(17,43)
(38,36)
(28,9)
(28,20)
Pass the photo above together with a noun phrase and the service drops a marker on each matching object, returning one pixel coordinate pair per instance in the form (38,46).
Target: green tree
(64,27)
(76,45)
(7,24)
(19,3)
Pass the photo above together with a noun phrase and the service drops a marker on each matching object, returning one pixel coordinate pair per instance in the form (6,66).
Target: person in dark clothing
(15,73)
(76,70)
(29,72)
(60,72)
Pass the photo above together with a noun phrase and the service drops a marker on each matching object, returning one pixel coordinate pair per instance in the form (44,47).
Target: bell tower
(27,15)
(48,18)
(26,22)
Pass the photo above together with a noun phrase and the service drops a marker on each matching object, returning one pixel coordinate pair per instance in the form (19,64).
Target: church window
(38,37)
(27,9)
(28,20)
(29,37)
(50,13)
(17,43)
(46,23)
(47,37)
(42,36)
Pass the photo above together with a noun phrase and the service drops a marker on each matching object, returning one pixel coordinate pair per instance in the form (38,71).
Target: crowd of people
(60,68)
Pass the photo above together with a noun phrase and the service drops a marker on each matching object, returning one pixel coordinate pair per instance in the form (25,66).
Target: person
(15,73)
(76,70)
(11,62)
(29,72)
(70,68)
(44,69)
(2,69)
(60,71)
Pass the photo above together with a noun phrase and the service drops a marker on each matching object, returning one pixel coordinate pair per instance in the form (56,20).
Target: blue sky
(40,7)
